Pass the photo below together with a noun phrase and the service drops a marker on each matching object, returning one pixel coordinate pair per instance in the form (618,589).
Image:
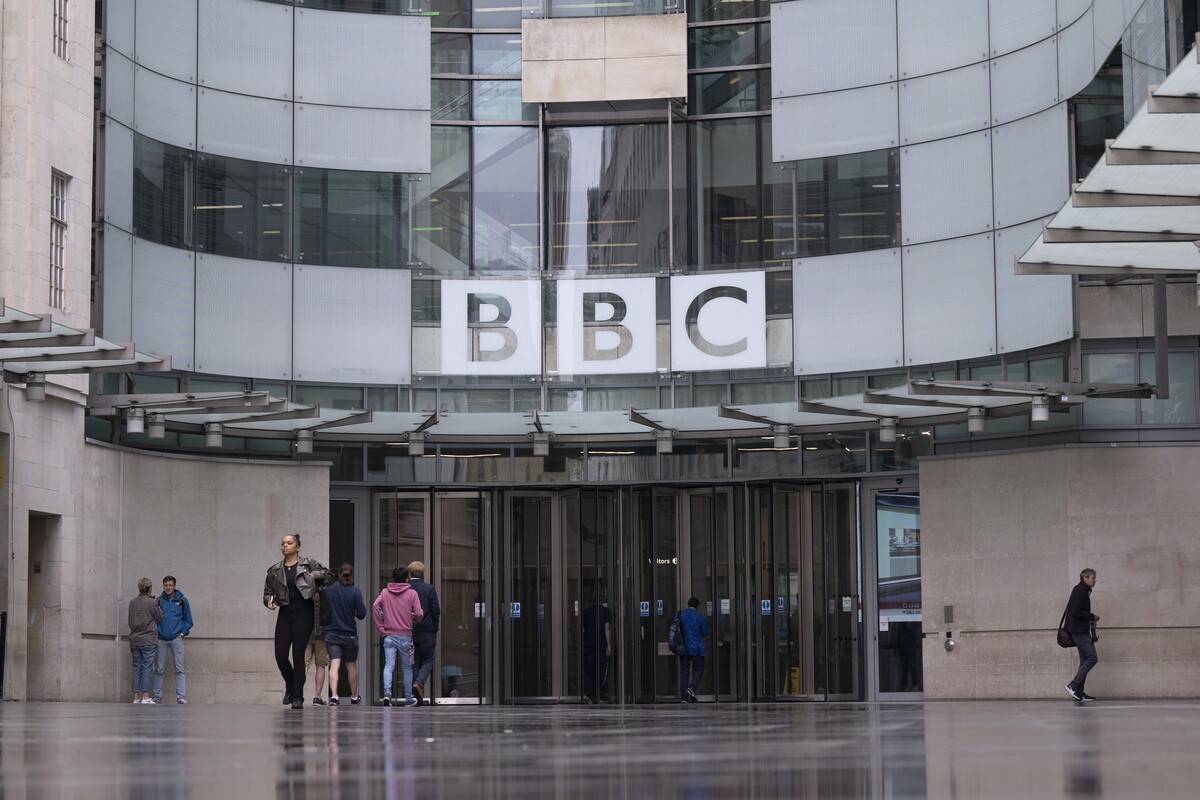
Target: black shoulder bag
(1064,639)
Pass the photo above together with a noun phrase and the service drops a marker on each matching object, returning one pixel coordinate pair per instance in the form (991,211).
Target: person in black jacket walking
(1078,622)
(424,632)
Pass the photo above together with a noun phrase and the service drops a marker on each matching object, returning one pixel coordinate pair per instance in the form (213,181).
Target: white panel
(118,286)
(1031,167)
(164,301)
(1017,23)
(1071,10)
(246,46)
(949,300)
(352,325)
(118,176)
(118,25)
(832,44)
(166,37)
(636,318)
(164,109)
(245,127)
(1025,82)
(727,330)
(513,346)
(833,335)
(945,104)
(936,35)
(118,87)
(387,66)
(850,121)
(362,138)
(1108,21)
(243,317)
(1031,310)
(1076,60)
(946,188)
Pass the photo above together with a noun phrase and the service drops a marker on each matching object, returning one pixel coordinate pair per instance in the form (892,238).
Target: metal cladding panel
(119,25)
(352,325)
(1071,10)
(166,37)
(164,285)
(118,285)
(362,139)
(164,109)
(371,60)
(243,317)
(118,176)
(850,121)
(245,127)
(833,335)
(1019,23)
(937,35)
(1076,57)
(1031,310)
(1108,22)
(1025,82)
(246,46)
(949,300)
(118,87)
(1030,164)
(946,188)
(832,44)
(946,104)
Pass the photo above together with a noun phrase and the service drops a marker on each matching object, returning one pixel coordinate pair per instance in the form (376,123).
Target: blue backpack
(676,642)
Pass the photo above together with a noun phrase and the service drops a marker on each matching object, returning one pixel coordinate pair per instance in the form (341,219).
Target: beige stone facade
(1004,537)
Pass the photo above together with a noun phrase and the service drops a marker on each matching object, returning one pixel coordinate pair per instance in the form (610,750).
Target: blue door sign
(766,608)
(644,608)
(516,610)
(779,604)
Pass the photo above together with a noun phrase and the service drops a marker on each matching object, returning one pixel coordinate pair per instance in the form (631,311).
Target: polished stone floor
(964,749)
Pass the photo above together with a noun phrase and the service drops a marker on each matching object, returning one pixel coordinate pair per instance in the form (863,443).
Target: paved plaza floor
(887,750)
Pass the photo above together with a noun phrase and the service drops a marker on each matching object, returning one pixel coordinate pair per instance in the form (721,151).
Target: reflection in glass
(474,464)
(1180,407)
(450,100)
(725,46)
(500,101)
(730,92)
(342,397)
(608,203)
(697,459)
(392,464)
(352,219)
(162,192)
(835,453)
(1110,368)
(725,192)
(903,453)
(449,54)
(444,208)
(460,591)
(562,465)
(506,199)
(713,10)
(600,399)
(242,208)
(764,392)
(497,54)
(496,14)
(450,13)
(898,539)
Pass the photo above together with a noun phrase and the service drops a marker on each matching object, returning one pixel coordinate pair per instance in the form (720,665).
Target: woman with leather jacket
(291,585)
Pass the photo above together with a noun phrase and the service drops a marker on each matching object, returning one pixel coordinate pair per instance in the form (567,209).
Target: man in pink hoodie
(395,611)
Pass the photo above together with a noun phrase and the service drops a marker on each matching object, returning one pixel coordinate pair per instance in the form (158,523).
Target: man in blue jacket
(175,626)
(691,660)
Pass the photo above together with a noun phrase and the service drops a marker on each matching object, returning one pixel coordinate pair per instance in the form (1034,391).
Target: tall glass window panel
(608,197)
(450,54)
(730,92)
(497,54)
(506,199)
(725,214)
(764,43)
(450,13)
(795,216)
(450,100)
(1110,368)
(864,201)
(1180,407)
(500,101)
(723,46)
(242,208)
(713,10)
(496,13)
(352,219)
(443,210)
(162,192)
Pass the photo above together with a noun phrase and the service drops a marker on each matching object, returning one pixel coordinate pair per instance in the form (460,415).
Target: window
(58,237)
(60,28)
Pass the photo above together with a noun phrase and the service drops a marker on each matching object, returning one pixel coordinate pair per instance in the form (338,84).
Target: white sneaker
(147,701)
(137,701)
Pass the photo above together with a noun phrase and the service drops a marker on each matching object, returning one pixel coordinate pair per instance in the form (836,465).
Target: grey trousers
(1087,659)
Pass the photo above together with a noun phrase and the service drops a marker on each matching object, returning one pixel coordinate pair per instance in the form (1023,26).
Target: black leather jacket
(1079,609)
(311,575)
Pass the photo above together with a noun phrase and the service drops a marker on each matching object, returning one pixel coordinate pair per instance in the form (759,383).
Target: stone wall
(1004,537)
(213,523)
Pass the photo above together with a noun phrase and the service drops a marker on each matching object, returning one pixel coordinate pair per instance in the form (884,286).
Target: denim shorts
(342,647)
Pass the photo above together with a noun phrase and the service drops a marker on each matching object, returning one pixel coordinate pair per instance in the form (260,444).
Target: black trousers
(293,629)
(693,666)
(595,674)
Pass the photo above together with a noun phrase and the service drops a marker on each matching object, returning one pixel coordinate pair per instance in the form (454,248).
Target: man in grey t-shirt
(144,616)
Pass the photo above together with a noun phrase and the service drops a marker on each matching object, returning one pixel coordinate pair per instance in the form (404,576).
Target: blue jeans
(160,665)
(404,646)
(143,667)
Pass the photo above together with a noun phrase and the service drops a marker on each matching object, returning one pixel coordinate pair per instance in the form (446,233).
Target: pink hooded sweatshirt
(396,610)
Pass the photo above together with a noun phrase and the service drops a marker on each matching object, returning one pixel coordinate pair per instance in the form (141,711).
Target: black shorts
(342,647)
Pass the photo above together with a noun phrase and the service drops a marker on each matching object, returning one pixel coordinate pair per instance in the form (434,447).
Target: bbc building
(868,324)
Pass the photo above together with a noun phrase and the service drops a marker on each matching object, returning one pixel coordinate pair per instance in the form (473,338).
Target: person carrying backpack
(689,630)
